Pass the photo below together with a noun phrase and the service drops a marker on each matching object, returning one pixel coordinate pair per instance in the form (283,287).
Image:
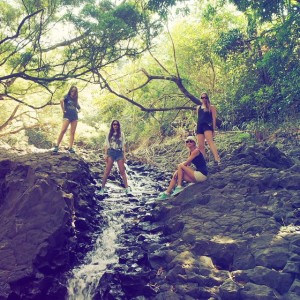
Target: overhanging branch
(20,27)
(143,108)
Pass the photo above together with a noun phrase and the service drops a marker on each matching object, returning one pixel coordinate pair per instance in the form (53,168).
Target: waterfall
(86,277)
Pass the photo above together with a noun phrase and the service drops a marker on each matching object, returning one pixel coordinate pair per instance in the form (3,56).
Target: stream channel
(117,244)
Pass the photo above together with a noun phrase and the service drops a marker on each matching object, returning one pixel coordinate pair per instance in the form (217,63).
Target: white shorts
(199,176)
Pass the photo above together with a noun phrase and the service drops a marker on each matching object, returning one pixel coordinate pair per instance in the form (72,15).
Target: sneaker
(55,149)
(163,196)
(128,190)
(103,191)
(217,163)
(177,190)
(71,150)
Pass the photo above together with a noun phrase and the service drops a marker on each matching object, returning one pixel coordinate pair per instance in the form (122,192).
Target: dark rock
(253,291)
(37,210)
(229,290)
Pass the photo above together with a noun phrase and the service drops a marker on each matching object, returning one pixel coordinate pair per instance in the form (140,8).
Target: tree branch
(175,79)
(20,129)
(143,108)
(11,117)
(67,43)
(174,52)
(20,27)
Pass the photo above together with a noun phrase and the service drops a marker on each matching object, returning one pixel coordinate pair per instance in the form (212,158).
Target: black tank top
(200,164)
(204,117)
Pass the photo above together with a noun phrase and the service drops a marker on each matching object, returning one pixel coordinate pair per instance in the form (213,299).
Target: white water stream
(85,278)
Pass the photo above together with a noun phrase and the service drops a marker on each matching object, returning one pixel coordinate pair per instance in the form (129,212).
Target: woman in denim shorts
(114,150)
(70,108)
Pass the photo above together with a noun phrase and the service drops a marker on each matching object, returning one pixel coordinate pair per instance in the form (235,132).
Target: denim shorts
(71,115)
(115,154)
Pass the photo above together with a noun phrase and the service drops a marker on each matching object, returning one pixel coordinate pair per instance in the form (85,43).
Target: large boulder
(39,195)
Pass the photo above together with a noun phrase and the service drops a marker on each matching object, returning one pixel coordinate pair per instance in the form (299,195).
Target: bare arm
(195,153)
(124,149)
(105,153)
(214,116)
(62,104)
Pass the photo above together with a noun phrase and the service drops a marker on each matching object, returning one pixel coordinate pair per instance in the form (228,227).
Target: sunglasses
(115,124)
(189,141)
(204,97)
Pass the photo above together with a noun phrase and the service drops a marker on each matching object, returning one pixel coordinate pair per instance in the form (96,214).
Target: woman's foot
(71,150)
(102,191)
(163,196)
(128,190)
(55,149)
(177,190)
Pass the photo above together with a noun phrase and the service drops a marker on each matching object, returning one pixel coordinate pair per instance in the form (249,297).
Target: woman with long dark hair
(70,107)
(206,126)
(114,150)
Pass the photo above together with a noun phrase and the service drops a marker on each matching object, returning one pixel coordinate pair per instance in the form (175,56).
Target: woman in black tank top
(206,125)
(185,172)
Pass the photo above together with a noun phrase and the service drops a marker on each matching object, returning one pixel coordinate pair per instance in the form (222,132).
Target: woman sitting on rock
(186,172)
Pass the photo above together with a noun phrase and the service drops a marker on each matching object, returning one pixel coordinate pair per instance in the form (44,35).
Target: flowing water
(118,209)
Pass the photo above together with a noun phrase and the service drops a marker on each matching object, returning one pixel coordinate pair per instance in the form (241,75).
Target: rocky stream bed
(235,236)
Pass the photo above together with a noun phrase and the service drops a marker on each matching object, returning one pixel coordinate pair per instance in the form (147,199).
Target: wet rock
(243,220)
(229,290)
(39,196)
(235,236)
(253,291)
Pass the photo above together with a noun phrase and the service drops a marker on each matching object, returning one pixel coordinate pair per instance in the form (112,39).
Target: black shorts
(203,127)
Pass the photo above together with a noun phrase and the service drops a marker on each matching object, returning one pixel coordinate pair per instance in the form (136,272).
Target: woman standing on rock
(114,150)
(206,126)
(186,172)
(70,107)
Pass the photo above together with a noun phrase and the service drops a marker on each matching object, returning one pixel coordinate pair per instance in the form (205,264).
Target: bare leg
(173,183)
(64,128)
(209,137)
(185,173)
(122,170)
(109,164)
(72,133)
(201,144)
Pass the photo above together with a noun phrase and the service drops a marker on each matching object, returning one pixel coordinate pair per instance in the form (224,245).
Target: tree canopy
(152,56)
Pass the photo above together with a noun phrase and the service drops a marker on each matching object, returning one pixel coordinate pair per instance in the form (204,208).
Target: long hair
(111,131)
(75,97)
(208,104)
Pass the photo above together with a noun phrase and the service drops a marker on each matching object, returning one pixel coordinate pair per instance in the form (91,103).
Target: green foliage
(265,9)
(162,6)
(247,60)
(229,42)
(38,138)
(243,137)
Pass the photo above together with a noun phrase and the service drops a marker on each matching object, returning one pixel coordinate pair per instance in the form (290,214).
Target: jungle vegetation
(145,63)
